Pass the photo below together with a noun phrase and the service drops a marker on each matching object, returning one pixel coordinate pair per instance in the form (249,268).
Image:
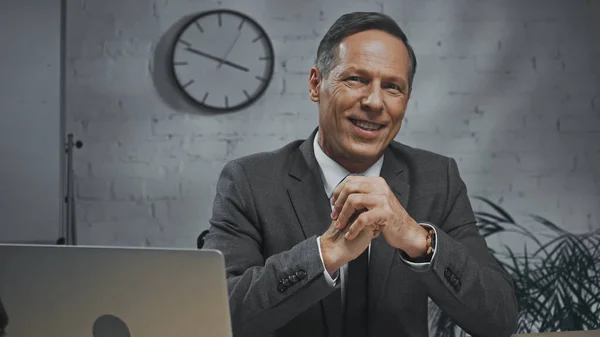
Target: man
(348,232)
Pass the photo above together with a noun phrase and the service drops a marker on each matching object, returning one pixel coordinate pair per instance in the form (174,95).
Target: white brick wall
(509,88)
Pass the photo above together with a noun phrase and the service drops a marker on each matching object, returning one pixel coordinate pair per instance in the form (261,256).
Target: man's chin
(362,154)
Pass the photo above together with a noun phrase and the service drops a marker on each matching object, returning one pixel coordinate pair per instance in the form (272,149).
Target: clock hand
(230,48)
(195,51)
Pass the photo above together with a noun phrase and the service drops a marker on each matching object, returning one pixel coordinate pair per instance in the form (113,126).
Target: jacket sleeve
(264,293)
(464,279)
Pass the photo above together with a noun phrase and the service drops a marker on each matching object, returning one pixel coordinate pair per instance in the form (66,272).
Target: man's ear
(315,79)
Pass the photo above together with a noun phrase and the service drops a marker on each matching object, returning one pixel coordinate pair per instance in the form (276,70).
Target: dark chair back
(3,319)
(200,240)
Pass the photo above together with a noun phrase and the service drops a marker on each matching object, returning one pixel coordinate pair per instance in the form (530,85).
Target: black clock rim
(271,69)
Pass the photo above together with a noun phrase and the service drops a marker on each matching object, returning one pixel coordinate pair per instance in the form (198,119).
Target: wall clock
(222,60)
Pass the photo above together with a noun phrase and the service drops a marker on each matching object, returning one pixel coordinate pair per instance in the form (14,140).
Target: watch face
(222,60)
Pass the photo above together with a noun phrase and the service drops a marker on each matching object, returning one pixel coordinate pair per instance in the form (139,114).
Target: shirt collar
(333,173)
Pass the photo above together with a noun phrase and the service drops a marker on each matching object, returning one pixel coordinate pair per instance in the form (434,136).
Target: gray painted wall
(30,120)
(509,88)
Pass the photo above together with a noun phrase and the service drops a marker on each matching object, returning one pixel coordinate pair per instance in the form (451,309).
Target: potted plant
(557,281)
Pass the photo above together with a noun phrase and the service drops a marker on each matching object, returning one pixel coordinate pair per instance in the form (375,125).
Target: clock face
(222,60)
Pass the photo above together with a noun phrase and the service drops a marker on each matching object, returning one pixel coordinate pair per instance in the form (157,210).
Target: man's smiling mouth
(366,125)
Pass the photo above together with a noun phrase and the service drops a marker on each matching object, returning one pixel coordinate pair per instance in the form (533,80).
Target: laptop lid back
(72,291)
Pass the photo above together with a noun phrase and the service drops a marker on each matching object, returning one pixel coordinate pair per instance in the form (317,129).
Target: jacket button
(293,278)
(281,288)
(286,282)
(301,274)
(448,274)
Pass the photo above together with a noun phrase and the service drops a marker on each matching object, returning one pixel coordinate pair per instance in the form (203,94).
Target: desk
(589,333)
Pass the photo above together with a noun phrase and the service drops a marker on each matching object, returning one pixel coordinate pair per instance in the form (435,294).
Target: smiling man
(348,233)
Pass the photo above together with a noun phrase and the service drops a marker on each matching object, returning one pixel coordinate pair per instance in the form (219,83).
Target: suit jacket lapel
(395,172)
(307,194)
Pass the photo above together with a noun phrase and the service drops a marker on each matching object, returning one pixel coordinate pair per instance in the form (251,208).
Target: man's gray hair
(352,23)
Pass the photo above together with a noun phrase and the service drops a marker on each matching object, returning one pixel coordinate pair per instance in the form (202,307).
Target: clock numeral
(220,20)
(260,78)
(199,27)
(263,58)
(226,102)
(188,83)
(187,44)
(241,24)
(258,38)
(246,93)
(204,98)
(181,63)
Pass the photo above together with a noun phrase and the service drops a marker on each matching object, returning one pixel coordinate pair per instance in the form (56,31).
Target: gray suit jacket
(269,209)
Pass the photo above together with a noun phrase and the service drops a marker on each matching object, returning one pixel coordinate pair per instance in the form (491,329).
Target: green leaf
(549,224)
(507,217)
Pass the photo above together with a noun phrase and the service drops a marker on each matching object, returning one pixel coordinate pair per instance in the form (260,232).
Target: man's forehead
(372,42)
(373,54)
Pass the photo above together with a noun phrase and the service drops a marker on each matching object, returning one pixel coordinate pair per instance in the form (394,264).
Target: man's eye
(394,87)
(354,78)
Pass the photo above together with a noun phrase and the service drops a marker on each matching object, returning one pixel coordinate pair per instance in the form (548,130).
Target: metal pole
(70,228)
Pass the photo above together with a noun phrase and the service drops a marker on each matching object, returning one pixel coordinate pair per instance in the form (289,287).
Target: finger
(356,202)
(364,220)
(338,188)
(360,184)
(348,210)
(334,233)
(353,185)
(335,211)
(357,225)
(339,196)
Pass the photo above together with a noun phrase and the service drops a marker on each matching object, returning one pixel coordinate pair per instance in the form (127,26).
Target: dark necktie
(356,297)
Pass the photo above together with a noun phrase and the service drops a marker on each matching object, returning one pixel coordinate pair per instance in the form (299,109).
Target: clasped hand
(364,208)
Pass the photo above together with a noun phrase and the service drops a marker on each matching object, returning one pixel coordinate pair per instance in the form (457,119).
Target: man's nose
(373,100)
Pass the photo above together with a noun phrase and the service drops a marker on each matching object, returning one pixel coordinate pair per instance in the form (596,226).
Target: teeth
(366,126)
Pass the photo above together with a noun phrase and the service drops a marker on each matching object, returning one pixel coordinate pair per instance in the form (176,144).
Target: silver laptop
(74,291)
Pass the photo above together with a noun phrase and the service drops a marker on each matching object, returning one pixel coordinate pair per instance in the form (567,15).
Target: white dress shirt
(332,174)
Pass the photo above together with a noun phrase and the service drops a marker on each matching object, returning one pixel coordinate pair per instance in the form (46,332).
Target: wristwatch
(430,241)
